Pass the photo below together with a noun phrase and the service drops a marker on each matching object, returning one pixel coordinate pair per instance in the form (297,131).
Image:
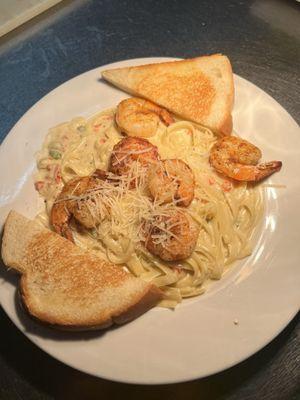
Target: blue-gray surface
(262,39)
(91,33)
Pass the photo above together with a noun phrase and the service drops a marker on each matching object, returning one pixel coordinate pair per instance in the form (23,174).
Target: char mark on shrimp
(140,117)
(238,159)
(171,181)
(171,236)
(78,199)
(131,152)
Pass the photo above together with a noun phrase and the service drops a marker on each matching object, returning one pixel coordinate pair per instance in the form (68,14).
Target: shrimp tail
(100,174)
(60,218)
(166,117)
(237,159)
(250,173)
(66,232)
(267,169)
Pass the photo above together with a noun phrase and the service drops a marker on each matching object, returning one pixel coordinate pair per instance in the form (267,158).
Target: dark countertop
(262,39)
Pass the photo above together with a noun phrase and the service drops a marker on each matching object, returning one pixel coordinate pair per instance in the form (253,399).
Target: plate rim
(73,365)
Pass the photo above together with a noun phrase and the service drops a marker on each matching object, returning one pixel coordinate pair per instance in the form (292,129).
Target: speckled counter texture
(262,39)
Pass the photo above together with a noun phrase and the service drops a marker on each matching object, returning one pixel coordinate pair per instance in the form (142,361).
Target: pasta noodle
(226,212)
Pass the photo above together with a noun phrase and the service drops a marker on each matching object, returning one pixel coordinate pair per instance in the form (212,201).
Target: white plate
(199,338)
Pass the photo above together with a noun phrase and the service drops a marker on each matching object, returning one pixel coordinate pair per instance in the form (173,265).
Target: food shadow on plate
(110,85)
(7,274)
(38,328)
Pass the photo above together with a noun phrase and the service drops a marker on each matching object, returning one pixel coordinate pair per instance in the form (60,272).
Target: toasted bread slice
(68,287)
(198,89)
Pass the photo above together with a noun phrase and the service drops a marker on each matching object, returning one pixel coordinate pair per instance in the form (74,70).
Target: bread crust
(143,304)
(198,89)
(66,287)
(226,126)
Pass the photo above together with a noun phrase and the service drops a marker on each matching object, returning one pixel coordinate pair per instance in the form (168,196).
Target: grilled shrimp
(172,236)
(238,159)
(139,117)
(129,151)
(170,180)
(76,199)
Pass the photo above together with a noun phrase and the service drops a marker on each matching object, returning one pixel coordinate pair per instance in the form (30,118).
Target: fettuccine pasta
(226,212)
